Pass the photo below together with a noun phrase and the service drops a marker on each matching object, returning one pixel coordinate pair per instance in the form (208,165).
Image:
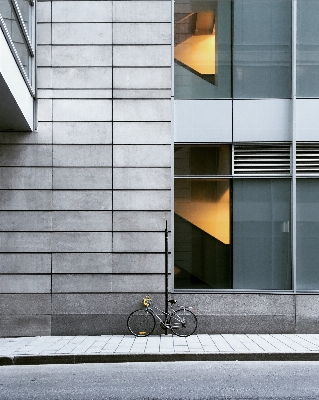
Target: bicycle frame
(168,316)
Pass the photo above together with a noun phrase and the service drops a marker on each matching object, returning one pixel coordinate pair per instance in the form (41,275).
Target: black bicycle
(182,321)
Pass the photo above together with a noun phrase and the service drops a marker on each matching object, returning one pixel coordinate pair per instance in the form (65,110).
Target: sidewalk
(124,348)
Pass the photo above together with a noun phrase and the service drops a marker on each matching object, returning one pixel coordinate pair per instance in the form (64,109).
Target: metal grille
(307,159)
(261,160)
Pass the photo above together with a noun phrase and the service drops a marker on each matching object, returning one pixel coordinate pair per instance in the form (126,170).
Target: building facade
(117,116)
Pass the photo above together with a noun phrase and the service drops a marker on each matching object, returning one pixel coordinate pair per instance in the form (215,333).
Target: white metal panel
(200,121)
(262,120)
(14,88)
(307,120)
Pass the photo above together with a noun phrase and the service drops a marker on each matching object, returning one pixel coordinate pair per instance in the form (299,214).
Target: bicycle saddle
(172,301)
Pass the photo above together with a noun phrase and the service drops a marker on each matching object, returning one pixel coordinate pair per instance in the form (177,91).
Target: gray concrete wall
(84,198)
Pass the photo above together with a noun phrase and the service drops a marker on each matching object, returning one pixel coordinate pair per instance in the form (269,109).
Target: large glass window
(228,233)
(202,234)
(202,51)
(307,234)
(261,234)
(262,49)
(308,48)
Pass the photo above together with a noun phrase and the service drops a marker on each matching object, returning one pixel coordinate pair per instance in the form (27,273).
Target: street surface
(172,380)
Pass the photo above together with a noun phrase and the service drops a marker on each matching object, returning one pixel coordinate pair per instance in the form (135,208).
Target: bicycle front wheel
(183,322)
(141,323)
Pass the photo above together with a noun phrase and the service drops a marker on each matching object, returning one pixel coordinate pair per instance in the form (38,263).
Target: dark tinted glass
(202,160)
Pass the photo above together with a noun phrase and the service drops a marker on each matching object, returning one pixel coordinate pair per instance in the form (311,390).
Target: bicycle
(182,322)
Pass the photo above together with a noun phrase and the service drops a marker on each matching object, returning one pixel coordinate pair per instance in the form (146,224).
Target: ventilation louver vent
(261,160)
(307,159)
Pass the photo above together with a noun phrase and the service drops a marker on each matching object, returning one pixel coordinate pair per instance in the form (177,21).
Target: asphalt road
(174,380)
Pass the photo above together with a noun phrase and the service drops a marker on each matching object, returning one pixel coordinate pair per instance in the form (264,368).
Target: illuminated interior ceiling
(195,44)
(212,217)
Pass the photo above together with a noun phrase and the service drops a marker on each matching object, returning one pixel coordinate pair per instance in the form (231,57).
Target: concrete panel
(77,283)
(142,56)
(82,156)
(140,220)
(44,56)
(138,283)
(82,132)
(245,324)
(143,33)
(25,325)
(25,263)
(82,110)
(142,156)
(142,110)
(138,263)
(138,242)
(141,93)
(84,11)
(203,121)
(89,324)
(142,133)
(77,242)
(262,120)
(25,284)
(43,12)
(77,263)
(44,33)
(82,303)
(82,56)
(142,11)
(25,242)
(25,178)
(75,93)
(99,303)
(42,136)
(82,221)
(44,110)
(25,304)
(74,78)
(142,200)
(307,306)
(25,221)
(82,178)
(142,178)
(307,119)
(141,78)
(240,304)
(25,155)
(25,200)
(82,200)
(44,78)
(85,33)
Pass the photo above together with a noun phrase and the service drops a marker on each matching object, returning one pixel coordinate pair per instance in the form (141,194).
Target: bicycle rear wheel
(183,322)
(141,323)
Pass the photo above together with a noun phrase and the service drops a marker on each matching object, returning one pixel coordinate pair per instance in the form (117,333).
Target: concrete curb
(121,358)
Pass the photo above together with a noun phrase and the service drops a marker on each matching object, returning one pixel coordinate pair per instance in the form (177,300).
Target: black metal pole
(166,273)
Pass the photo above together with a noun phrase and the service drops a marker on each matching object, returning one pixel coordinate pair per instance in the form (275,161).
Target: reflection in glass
(202,160)
(307,48)
(307,234)
(24,7)
(202,50)
(262,49)
(202,234)
(195,43)
(261,234)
